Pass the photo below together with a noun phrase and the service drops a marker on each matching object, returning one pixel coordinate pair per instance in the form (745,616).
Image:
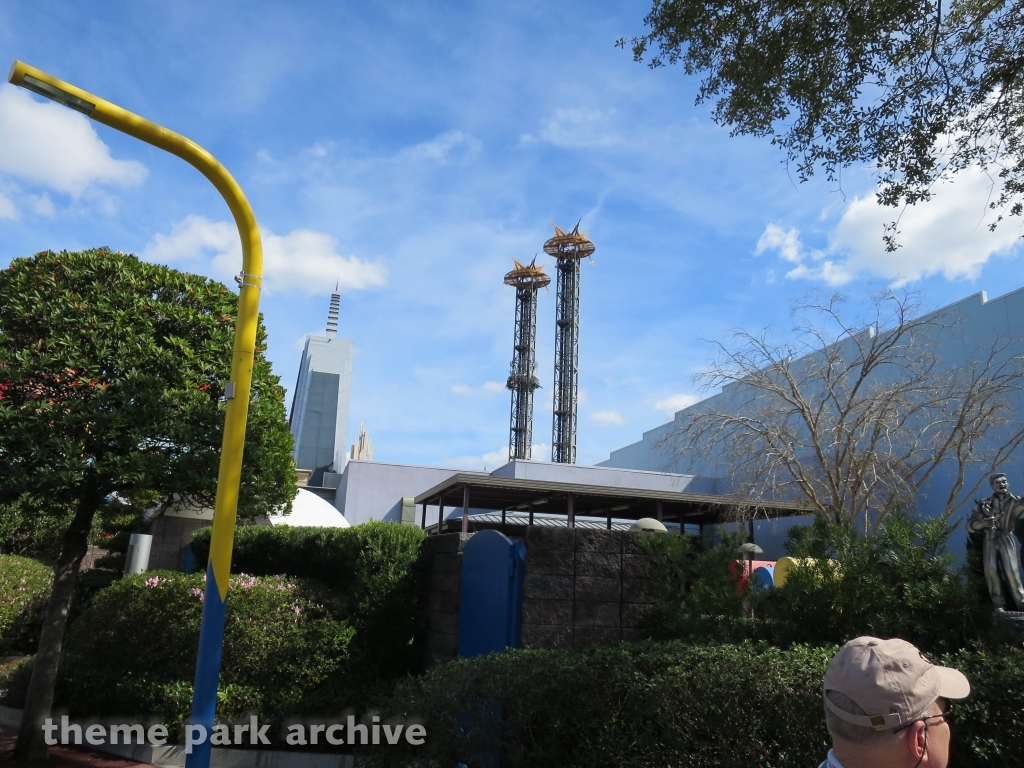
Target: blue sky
(408,149)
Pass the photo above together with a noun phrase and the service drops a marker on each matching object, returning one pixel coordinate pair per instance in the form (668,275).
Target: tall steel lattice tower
(527,279)
(567,248)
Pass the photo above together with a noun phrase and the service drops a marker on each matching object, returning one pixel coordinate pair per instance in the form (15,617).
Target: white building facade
(320,405)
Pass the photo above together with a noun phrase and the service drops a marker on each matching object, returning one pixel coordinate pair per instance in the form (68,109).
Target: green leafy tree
(920,90)
(111,374)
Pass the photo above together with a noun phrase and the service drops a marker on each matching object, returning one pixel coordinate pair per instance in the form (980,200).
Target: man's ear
(917,740)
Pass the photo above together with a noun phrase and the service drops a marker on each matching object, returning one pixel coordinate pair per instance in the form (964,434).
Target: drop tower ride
(568,248)
(527,279)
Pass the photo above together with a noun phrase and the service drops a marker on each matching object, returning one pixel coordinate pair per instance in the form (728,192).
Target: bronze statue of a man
(997,516)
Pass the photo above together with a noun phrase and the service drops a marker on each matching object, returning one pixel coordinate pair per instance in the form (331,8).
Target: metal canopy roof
(510,493)
(515,523)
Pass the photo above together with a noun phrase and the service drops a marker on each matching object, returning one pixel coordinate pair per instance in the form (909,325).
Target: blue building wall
(969,328)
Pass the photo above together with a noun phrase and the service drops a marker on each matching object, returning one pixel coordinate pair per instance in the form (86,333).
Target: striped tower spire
(332,313)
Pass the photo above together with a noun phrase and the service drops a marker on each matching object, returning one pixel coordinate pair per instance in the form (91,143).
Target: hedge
(372,570)
(14,679)
(897,582)
(133,651)
(668,703)
(27,530)
(24,590)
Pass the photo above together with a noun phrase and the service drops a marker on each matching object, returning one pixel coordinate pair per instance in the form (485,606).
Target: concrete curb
(173,756)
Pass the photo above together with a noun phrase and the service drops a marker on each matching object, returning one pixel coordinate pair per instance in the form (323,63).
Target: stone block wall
(584,587)
(443,584)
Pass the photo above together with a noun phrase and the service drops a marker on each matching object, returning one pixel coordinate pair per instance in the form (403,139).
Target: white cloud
(607,418)
(673,403)
(575,129)
(947,235)
(50,145)
(303,261)
(191,239)
(787,244)
(43,205)
(443,148)
(495,459)
(7,208)
(487,389)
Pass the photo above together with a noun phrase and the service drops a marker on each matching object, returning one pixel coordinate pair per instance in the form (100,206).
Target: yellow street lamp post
(204,701)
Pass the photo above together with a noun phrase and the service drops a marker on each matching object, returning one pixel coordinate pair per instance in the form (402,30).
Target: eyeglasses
(944,714)
(943,718)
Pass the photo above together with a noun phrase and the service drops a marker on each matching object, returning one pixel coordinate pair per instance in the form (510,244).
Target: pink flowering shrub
(133,651)
(375,574)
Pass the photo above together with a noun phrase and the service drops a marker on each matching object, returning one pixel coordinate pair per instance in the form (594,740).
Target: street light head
(48,87)
(56,94)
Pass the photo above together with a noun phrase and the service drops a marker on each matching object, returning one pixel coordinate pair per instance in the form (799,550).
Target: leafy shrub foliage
(25,586)
(898,582)
(33,527)
(24,590)
(373,573)
(357,591)
(14,679)
(987,725)
(133,652)
(695,589)
(667,703)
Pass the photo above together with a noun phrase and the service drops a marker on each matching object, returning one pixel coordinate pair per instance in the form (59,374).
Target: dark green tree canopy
(921,90)
(111,370)
(111,374)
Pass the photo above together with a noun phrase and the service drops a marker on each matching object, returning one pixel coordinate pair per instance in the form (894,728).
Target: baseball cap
(890,680)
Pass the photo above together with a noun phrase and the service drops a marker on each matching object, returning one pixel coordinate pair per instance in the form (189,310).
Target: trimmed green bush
(987,725)
(24,590)
(695,590)
(33,527)
(660,703)
(14,678)
(133,651)
(898,582)
(374,573)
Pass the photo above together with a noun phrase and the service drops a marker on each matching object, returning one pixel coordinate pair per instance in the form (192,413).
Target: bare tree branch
(864,419)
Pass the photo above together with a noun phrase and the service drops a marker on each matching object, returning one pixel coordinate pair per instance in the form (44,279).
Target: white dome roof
(308,509)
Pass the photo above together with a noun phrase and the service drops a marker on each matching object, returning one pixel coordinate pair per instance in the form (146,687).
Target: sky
(407,150)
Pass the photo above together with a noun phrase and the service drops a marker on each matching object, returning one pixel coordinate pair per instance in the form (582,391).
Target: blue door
(491,594)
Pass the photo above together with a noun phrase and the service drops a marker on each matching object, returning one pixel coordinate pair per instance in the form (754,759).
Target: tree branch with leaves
(112,372)
(917,90)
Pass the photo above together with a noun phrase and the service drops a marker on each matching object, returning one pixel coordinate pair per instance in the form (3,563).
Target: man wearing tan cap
(887,706)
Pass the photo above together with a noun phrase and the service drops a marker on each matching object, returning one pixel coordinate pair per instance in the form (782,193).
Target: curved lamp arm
(229,475)
(211,635)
